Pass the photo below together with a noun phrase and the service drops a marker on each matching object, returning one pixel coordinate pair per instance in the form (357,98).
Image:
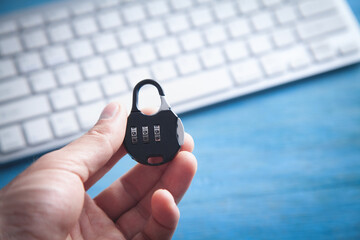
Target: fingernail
(109,111)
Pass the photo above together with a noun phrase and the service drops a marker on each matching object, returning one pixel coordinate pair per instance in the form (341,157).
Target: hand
(49,200)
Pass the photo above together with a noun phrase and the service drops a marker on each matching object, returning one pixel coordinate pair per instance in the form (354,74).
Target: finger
(164,217)
(91,152)
(127,192)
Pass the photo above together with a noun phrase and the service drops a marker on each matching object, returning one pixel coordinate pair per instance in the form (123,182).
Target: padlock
(154,136)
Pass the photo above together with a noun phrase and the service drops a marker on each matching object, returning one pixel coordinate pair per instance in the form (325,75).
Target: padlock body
(152,136)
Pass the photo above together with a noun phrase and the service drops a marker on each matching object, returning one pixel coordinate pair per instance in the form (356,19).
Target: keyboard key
(164,70)
(14,88)
(262,21)
(157,8)
(143,54)
(273,64)
(239,27)
(153,29)
(11,139)
(57,14)
(319,27)
(109,19)
(299,57)
(82,8)
(93,67)
(286,14)
(247,6)
(89,114)
(133,13)
(224,10)
(55,55)
(323,50)
(177,22)
(63,98)
(246,71)
(31,21)
(349,46)
(42,81)
(212,57)
(311,8)
(236,50)
(88,91)
(135,75)
(191,40)
(80,49)
(10,45)
(260,44)
(64,123)
(38,131)
(60,32)
(7,26)
(271,3)
(195,86)
(114,84)
(22,109)
(68,74)
(118,60)
(7,68)
(283,37)
(107,3)
(201,16)
(188,64)
(105,42)
(35,39)
(29,62)
(167,47)
(85,26)
(178,5)
(129,36)
(215,34)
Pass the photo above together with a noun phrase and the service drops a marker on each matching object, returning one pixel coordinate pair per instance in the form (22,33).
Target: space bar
(22,109)
(198,85)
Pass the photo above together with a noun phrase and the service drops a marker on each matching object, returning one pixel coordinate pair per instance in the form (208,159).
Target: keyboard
(61,63)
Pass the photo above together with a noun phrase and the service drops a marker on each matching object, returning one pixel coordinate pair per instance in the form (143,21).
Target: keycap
(105,42)
(35,39)
(29,61)
(107,3)
(215,34)
(68,74)
(55,55)
(85,26)
(11,139)
(93,67)
(129,36)
(109,19)
(57,14)
(133,13)
(239,27)
(188,63)
(349,46)
(60,32)
(262,21)
(236,50)
(201,16)
(7,26)
(24,108)
(157,8)
(10,45)
(271,3)
(38,131)
(283,37)
(319,27)
(286,14)
(153,29)
(310,8)
(164,70)
(14,88)
(191,40)
(89,114)
(246,71)
(274,64)
(224,10)
(83,8)
(260,44)
(42,81)
(167,47)
(63,98)
(7,68)
(177,22)
(247,6)
(118,60)
(137,74)
(143,54)
(212,57)
(183,4)
(323,50)
(114,84)
(64,123)
(203,83)
(80,49)
(299,57)
(88,91)
(31,21)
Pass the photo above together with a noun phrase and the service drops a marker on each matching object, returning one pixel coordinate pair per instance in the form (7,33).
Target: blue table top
(280,164)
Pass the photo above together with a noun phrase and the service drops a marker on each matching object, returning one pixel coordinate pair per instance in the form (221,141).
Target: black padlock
(153,136)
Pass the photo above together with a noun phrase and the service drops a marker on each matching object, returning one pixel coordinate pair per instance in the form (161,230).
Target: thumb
(89,153)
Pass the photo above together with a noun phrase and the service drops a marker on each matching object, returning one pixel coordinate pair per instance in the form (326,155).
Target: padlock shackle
(137,89)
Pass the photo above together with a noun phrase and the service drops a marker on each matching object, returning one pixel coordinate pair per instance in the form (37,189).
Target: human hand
(49,200)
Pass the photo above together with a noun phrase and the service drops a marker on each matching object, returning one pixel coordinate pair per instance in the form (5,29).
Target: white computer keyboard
(61,63)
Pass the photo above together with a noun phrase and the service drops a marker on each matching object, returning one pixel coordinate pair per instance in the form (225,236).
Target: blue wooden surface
(281,164)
